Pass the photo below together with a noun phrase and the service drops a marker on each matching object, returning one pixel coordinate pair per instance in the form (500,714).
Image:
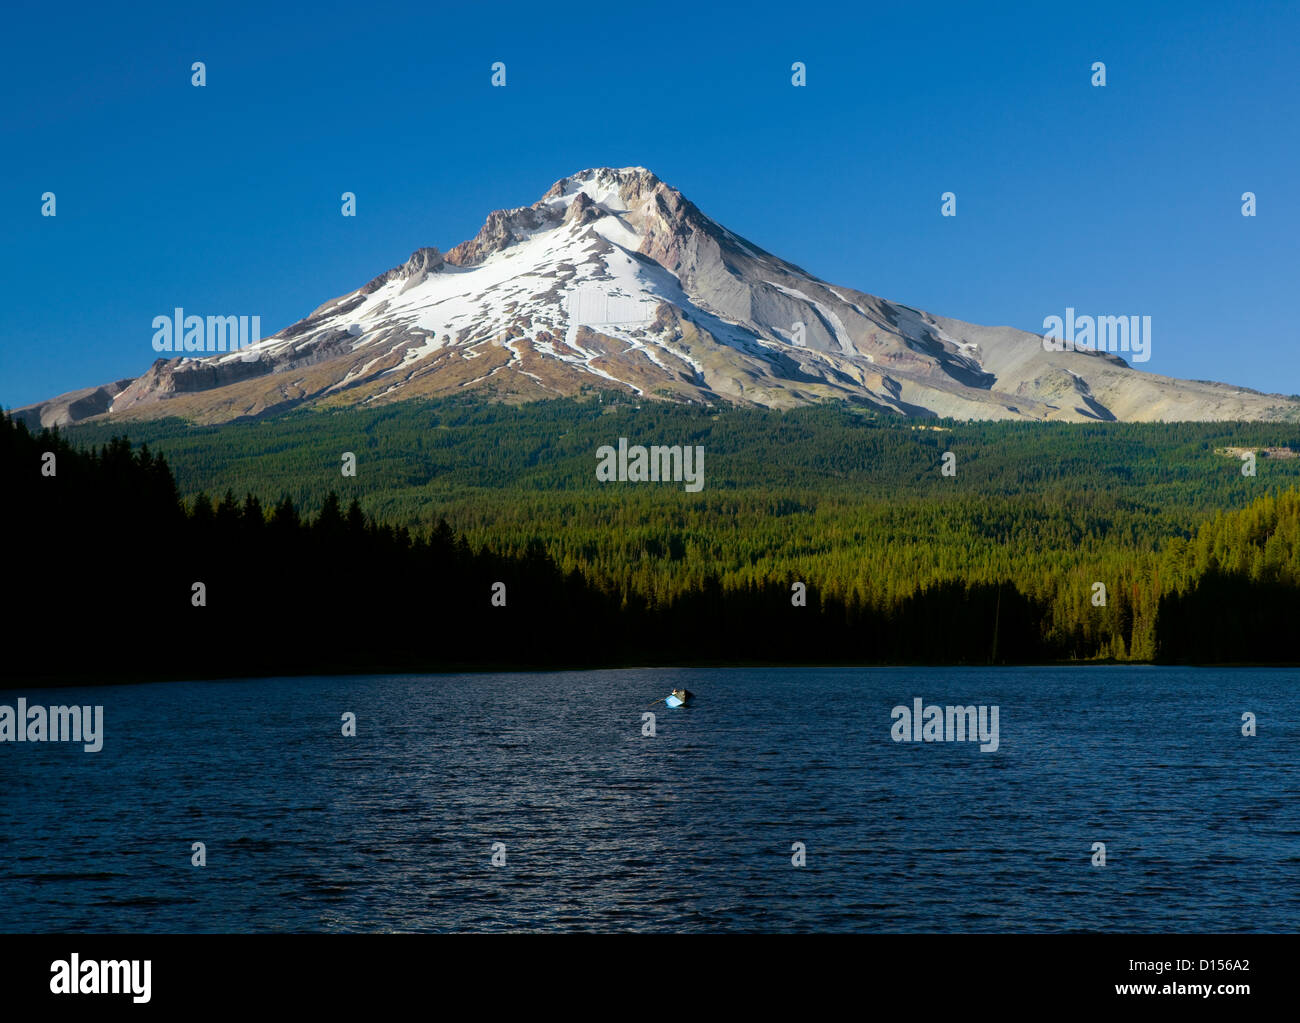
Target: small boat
(679,698)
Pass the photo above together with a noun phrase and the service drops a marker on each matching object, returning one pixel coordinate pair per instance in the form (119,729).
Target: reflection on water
(692,829)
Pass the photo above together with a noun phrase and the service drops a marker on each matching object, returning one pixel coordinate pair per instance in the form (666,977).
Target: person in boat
(683,694)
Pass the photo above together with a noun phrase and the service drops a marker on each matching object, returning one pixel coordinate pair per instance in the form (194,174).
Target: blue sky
(226,199)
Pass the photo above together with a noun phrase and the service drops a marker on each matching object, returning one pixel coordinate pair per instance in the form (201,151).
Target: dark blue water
(606,829)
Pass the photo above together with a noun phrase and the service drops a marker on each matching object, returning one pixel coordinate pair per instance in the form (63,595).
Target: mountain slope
(614,280)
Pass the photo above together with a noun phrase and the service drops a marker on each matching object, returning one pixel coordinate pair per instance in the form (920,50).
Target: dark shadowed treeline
(105,558)
(111,559)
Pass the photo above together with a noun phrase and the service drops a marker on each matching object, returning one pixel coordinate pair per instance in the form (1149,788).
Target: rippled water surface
(692,829)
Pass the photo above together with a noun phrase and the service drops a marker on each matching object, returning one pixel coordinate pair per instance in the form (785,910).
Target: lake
(692,829)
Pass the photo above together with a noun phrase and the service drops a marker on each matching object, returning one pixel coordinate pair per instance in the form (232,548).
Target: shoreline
(82,682)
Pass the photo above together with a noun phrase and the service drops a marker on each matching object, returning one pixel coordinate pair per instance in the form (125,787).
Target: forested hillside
(851,503)
(999,562)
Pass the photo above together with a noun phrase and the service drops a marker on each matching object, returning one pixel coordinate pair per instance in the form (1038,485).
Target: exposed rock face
(415,270)
(613,279)
(582,210)
(74,406)
(502,229)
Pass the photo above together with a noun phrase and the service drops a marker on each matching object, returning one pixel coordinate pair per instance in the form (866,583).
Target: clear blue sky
(225,199)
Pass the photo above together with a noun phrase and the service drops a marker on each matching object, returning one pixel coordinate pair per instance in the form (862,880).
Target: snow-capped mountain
(614,280)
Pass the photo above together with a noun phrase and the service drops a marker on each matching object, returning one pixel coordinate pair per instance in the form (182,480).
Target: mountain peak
(602,183)
(613,279)
(594,192)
